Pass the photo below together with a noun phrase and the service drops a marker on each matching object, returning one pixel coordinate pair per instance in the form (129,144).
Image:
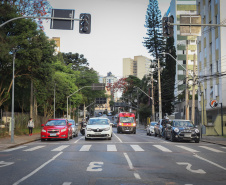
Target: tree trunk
(32,100)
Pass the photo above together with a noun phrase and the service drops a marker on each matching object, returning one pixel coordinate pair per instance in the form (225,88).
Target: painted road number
(95,166)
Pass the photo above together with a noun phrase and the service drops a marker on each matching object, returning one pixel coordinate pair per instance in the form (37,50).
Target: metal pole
(152,100)
(193,93)
(222,125)
(160,94)
(67,106)
(186,89)
(12,120)
(138,115)
(54,99)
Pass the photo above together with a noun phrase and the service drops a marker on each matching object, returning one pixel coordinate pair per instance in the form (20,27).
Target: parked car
(74,127)
(159,127)
(98,127)
(150,128)
(56,129)
(179,130)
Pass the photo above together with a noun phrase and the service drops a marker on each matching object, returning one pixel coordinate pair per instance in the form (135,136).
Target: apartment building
(177,8)
(139,66)
(212,64)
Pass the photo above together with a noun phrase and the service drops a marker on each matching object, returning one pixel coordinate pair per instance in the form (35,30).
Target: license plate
(52,134)
(187,135)
(98,133)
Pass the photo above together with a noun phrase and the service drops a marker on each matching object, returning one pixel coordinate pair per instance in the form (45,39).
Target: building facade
(212,65)
(183,43)
(139,66)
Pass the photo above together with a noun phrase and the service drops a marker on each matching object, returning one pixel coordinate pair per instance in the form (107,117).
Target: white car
(98,127)
(150,128)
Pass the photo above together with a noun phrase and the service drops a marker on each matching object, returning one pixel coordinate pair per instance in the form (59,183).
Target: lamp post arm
(144,92)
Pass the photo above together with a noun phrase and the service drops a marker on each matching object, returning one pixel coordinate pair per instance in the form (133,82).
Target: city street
(126,159)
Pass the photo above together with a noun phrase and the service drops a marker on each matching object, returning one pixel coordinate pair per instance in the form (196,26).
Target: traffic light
(167,27)
(85,23)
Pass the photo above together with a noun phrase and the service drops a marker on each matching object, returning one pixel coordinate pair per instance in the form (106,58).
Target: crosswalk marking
(211,149)
(34,148)
(137,148)
(162,148)
(85,148)
(67,183)
(60,148)
(111,148)
(187,148)
(12,149)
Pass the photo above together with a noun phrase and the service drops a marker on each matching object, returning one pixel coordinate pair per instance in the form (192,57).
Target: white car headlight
(43,130)
(63,130)
(88,129)
(196,130)
(176,130)
(106,129)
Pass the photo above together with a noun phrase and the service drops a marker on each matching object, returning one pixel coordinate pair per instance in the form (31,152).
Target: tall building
(177,8)
(211,64)
(57,42)
(139,66)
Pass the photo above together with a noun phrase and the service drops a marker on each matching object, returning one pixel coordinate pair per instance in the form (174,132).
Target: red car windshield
(56,123)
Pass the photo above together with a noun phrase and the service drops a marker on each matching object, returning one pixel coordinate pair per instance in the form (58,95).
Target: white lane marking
(79,139)
(162,148)
(95,167)
(136,175)
(200,171)
(223,147)
(60,148)
(67,183)
(187,148)
(85,148)
(211,149)
(3,163)
(12,149)
(34,148)
(137,148)
(215,164)
(111,148)
(118,138)
(36,170)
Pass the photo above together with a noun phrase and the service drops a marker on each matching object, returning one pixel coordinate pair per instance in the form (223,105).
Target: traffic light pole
(36,17)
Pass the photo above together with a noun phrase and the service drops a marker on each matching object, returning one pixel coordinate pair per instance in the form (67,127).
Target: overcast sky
(117,31)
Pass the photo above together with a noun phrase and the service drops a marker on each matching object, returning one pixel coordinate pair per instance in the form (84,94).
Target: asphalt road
(127,159)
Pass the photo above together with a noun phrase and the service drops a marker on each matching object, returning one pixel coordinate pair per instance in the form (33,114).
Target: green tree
(154,40)
(168,78)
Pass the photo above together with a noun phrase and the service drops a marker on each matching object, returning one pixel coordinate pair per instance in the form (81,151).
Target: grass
(5,132)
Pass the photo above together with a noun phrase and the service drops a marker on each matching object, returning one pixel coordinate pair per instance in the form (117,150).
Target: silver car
(150,128)
(74,127)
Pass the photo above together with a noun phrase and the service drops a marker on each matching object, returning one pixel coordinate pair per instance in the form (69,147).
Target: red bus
(126,123)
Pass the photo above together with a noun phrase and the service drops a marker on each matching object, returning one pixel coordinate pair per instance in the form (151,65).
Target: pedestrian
(30,126)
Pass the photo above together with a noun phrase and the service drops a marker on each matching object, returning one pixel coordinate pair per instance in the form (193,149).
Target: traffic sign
(62,24)
(213,103)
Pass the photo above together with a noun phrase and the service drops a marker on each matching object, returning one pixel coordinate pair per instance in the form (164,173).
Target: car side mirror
(42,125)
(111,124)
(69,124)
(76,124)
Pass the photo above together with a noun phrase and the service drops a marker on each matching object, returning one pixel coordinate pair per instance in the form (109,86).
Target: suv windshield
(56,123)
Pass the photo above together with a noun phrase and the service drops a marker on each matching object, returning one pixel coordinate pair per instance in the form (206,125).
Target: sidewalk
(20,140)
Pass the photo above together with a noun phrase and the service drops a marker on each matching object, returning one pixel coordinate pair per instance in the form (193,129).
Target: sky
(117,31)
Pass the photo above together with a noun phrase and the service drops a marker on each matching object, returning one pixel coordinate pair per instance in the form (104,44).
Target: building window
(184,61)
(211,69)
(217,66)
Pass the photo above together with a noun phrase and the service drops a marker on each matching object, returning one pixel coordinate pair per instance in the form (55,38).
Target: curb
(23,143)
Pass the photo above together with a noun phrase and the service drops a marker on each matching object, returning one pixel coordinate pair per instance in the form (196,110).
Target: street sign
(120,104)
(213,103)
(62,24)
(101,100)
(98,86)
(190,30)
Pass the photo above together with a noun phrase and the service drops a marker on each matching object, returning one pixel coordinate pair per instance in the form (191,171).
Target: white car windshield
(98,122)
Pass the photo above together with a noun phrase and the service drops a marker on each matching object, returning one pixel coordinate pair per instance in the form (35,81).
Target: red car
(56,129)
